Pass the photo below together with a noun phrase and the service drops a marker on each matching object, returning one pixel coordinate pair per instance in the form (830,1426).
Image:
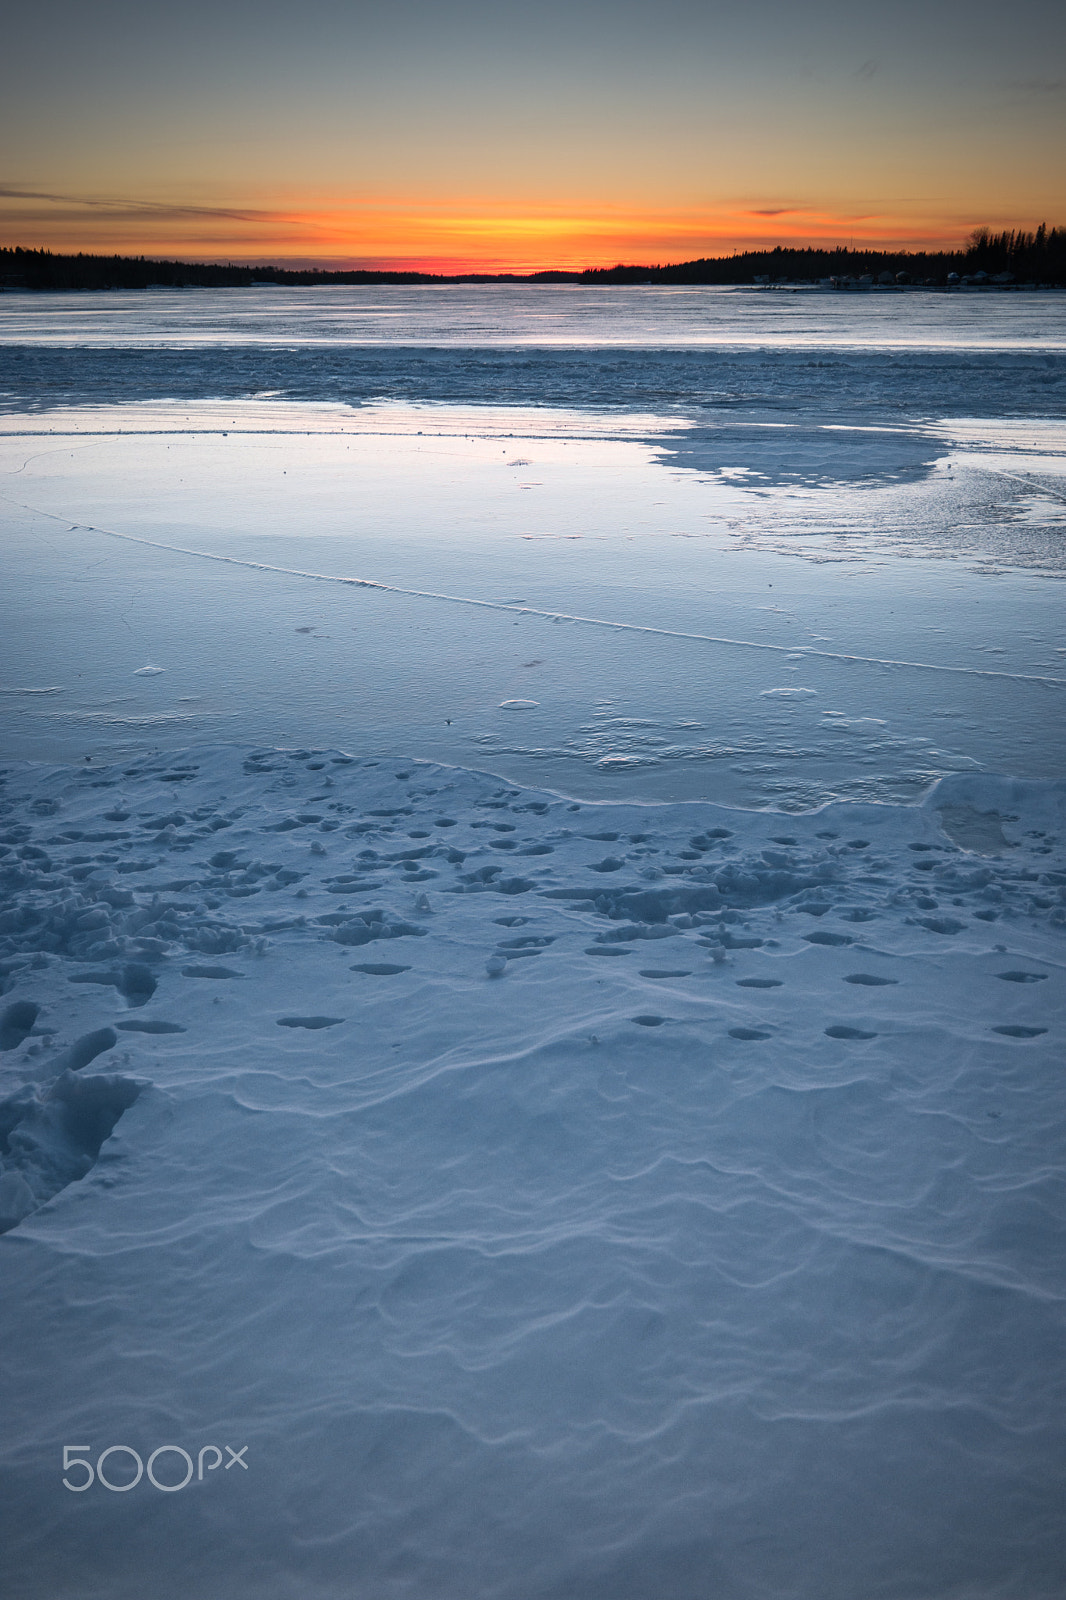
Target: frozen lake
(531,958)
(481,316)
(720,567)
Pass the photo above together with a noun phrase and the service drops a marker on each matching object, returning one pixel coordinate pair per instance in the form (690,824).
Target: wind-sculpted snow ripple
(564,1276)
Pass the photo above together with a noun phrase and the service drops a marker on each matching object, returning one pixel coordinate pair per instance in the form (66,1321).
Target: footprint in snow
(149,1025)
(210,972)
(309,1022)
(134,982)
(759,983)
(85,1050)
(1021,977)
(380,969)
(1014,1030)
(870,979)
(748,1033)
(664,972)
(16,1023)
(840,1030)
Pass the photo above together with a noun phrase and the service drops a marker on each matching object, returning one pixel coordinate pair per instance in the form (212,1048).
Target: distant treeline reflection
(990,260)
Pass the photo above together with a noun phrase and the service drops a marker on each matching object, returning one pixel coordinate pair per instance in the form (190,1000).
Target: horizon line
(304,267)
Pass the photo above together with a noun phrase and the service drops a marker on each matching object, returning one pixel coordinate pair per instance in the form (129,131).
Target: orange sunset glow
(492,236)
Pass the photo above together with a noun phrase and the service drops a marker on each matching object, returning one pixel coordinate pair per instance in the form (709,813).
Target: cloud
(1039,85)
(131,208)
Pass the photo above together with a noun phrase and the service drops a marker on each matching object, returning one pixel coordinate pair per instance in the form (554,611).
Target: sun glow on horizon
(465,235)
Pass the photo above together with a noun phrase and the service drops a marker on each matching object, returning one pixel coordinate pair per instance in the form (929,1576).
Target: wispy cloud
(1038,85)
(128,208)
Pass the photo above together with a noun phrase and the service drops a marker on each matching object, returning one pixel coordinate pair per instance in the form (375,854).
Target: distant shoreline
(990,261)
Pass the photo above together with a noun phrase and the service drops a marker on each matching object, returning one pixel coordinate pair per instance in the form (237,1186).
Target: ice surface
(636,1169)
(557,316)
(396,574)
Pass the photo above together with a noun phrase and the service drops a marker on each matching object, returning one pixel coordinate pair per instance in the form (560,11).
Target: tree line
(1038,257)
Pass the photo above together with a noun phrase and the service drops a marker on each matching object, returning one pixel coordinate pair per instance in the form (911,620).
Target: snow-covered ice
(522,1271)
(532,947)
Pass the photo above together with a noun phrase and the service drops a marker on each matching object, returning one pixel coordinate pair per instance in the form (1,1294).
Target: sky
(451,136)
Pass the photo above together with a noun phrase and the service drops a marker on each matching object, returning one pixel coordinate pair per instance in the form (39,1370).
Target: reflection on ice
(403,576)
(758,453)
